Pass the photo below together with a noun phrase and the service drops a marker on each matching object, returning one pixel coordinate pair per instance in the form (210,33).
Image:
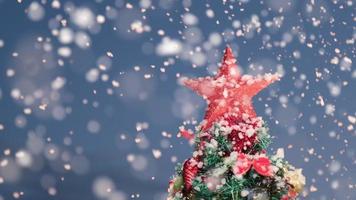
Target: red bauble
(262,165)
(285,197)
(190,171)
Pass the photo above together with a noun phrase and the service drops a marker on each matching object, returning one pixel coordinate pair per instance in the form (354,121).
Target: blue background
(318,142)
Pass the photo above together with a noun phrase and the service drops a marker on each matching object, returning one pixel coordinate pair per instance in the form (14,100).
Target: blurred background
(90,100)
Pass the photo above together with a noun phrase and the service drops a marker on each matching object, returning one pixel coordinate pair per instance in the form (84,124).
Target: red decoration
(285,197)
(242,165)
(291,195)
(262,165)
(244,134)
(229,92)
(190,170)
(186,134)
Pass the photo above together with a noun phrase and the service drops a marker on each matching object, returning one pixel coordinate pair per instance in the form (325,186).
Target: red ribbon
(261,164)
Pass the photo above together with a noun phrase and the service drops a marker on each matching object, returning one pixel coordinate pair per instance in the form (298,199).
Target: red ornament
(285,197)
(262,165)
(190,170)
(291,195)
(242,165)
(229,92)
(186,134)
(244,134)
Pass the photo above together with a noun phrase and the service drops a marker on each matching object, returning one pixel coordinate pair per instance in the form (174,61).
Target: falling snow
(91,94)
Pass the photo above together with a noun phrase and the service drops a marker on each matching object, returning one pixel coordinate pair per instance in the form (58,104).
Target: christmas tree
(230,160)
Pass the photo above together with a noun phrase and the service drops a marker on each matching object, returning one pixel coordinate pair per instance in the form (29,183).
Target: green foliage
(211,158)
(201,191)
(179,169)
(178,183)
(263,139)
(232,188)
(224,143)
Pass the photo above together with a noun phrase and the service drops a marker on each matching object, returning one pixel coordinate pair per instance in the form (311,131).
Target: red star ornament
(229,93)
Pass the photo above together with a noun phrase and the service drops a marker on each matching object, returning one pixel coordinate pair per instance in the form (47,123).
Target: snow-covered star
(229,93)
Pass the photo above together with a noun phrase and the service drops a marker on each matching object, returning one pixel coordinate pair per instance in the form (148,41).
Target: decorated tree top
(230,161)
(229,92)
